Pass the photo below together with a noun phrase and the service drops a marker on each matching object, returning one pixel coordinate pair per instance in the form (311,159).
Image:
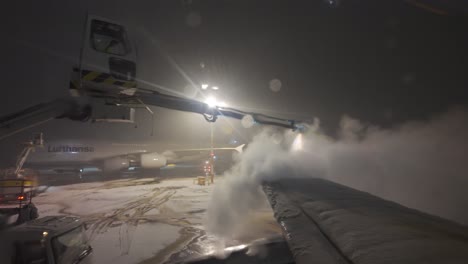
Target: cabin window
(109,38)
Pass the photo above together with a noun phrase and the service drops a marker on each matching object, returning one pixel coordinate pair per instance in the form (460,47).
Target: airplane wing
(327,223)
(193,154)
(177,155)
(238,149)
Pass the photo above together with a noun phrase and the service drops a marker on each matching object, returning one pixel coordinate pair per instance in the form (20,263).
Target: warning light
(20,197)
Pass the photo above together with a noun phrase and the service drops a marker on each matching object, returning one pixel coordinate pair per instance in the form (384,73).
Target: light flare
(297,144)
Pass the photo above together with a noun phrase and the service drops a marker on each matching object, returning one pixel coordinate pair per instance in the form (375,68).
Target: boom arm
(42,113)
(69,108)
(22,159)
(29,146)
(211,114)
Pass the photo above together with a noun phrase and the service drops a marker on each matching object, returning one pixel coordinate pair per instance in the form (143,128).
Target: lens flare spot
(275,85)
(247,121)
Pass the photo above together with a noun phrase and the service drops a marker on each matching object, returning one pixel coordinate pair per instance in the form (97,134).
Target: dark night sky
(383,62)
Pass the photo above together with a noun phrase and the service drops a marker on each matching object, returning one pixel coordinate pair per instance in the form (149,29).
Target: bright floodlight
(215,88)
(204,86)
(211,101)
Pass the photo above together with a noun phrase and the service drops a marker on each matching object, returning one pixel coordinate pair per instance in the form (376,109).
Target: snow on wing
(325,222)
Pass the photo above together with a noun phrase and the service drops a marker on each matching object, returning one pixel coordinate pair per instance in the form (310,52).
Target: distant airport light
(155,159)
(215,88)
(204,86)
(124,163)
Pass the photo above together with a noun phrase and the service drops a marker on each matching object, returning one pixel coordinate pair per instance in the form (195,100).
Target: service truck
(47,240)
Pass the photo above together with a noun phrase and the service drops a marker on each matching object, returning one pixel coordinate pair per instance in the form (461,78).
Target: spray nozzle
(300,127)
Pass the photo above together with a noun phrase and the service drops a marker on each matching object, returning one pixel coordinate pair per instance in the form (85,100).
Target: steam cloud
(422,165)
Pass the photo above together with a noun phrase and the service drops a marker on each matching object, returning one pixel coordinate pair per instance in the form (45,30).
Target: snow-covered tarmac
(144,220)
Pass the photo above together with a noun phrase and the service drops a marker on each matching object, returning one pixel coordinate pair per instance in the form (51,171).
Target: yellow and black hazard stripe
(99,77)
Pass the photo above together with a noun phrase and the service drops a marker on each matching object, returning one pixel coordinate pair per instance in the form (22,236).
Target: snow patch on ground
(131,220)
(146,241)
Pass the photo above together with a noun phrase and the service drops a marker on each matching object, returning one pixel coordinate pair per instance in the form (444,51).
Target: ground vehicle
(16,198)
(18,186)
(51,240)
